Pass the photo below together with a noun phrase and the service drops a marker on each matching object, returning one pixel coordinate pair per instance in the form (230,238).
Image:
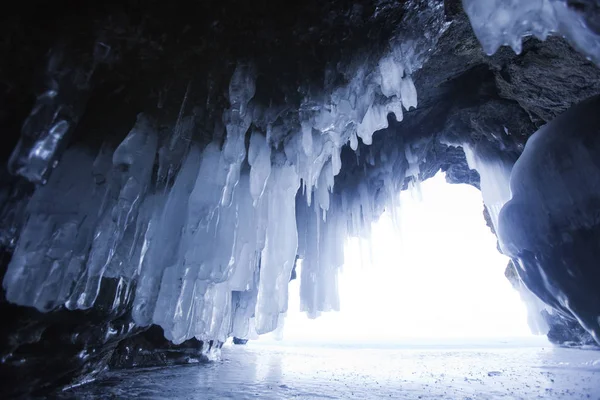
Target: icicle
(409,93)
(259,158)
(173,151)
(395,106)
(280,249)
(237,121)
(244,304)
(494,172)
(307,138)
(133,161)
(391,76)
(353,141)
(164,237)
(322,256)
(375,119)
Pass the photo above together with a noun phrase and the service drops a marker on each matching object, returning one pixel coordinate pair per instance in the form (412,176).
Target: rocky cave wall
(99,66)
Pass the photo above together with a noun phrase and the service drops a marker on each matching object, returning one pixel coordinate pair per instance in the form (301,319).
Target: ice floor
(259,371)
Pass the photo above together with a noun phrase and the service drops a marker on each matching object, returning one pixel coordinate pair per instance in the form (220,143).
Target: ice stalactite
(172,153)
(413,170)
(237,120)
(243,323)
(132,162)
(321,248)
(494,172)
(550,225)
(259,158)
(279,254)
(166,228)
(506,22)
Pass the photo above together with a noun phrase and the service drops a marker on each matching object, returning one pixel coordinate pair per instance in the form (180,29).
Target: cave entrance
(438,275)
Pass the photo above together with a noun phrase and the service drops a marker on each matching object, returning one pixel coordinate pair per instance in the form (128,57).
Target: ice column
(279,254)
(237,120)
(163,238)
(132,161)
(494,172)
(321,247)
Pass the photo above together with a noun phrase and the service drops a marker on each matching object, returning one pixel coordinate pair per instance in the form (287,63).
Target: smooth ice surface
(555,183)
(493,370)
(555,188)
(506,22)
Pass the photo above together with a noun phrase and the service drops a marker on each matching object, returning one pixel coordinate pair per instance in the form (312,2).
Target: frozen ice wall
(202,239)
(550,225)
(506,22)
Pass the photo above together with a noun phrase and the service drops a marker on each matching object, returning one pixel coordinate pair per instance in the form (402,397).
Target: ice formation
(202,239)
(494,172)
(553,159)
(549,227)
(506,22)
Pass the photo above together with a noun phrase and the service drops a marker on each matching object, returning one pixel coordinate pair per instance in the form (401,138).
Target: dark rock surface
(239,341)
(41,351)
(132,56)
(150,349)
(566,331)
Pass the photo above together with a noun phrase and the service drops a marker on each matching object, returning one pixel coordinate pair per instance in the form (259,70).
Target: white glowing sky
(439,276)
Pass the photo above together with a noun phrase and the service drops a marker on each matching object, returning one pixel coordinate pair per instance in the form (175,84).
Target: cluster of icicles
(205,246)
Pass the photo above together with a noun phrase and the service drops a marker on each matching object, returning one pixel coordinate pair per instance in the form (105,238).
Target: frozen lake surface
(421,371)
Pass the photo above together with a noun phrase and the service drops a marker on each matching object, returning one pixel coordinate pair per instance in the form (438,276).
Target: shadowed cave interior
(166,165)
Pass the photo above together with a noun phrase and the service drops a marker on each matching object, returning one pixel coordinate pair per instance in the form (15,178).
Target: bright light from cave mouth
(438,276)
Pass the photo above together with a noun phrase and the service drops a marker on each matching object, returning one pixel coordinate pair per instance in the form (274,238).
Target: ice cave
(186,183)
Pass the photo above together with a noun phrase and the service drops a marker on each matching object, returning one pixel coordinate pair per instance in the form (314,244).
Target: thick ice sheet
(484,371)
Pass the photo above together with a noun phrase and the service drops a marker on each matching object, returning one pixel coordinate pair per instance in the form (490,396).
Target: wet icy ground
(425,371)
